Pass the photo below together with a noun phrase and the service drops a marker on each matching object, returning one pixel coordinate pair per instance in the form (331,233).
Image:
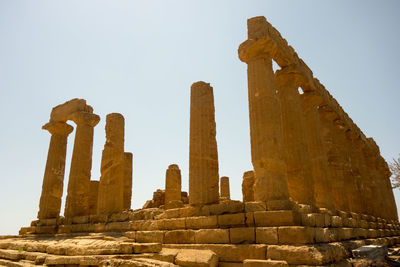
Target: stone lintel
(85,118)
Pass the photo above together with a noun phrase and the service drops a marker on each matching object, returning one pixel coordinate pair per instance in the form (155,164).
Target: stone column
(359,197)
(128,180)
(94,192)
(349,167)
(172,184)
(298,164)
(247,186)
(225,192)
(335,159)
(203,154)
(52,188)
(77,202)
(317,152)
(267,150)
(382,182)
(111,187)
(370,191)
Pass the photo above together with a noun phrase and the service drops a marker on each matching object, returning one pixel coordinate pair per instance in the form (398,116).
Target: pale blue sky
(139,58)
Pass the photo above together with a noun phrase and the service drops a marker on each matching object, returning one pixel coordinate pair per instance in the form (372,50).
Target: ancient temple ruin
(319,187)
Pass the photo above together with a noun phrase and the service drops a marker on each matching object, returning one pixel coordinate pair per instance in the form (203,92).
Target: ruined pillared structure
(319,187)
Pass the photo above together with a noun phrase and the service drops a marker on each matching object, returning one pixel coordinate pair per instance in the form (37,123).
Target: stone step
(227,252)
(22,263)
(87,260)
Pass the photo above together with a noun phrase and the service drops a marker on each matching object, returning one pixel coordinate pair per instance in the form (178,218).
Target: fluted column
(77,202)
(53,180)
(382,183)
(348,165)
(111,187)
(173,184)
(225,191)
(266,138)
(368,184)
(358,168)
(203,154)
(298,164)
(335,160)
(317,151)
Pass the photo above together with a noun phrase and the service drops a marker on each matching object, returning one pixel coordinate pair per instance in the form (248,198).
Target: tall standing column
(317,151)
(225,191)
(349,167)
(53,180)
(173,184)
(382,181)
(335,161)
(77,202)
(111,187)
(203,154)
(266,138)
(298,164)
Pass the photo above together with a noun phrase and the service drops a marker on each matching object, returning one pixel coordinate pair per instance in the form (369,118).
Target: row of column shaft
(302,150)
(84,197)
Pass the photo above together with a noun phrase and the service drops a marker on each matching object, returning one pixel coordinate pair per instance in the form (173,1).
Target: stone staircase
(231,232)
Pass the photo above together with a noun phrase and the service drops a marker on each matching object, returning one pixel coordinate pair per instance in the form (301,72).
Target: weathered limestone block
(298,163)
(202,222)
(243,235)
(179,237)
(267,150)
(317,150)
(232,206)
(255,206)
(276,218)
(52,188)
(77,202)
(211,236)
(111,187)
(94,192)
(225,192)
(203,154)
(228,220)
(62,112)
(319,254)
(172,224)
(149,236)
(238,253)
(196,258)
(267,235)
(172,184)
(247,186)
(264,263)
(128,180)
(296,235)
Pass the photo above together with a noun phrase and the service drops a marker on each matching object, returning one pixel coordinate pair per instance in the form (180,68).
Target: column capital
(84,118)
(60,128)
(252,49)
